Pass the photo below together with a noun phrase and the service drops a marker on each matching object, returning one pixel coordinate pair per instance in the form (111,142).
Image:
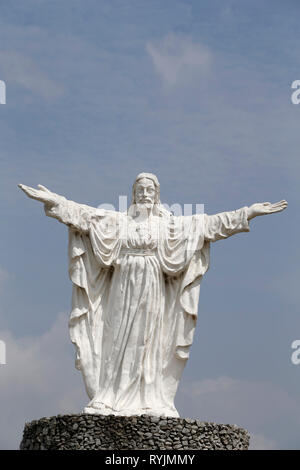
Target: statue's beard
(143,208)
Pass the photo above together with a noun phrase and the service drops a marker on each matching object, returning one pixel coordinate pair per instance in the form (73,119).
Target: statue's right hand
(42,194)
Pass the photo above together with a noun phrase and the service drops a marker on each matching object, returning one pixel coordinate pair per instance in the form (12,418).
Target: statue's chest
(142,235)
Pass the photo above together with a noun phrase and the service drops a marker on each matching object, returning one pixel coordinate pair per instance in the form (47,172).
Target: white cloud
(23,70)
(38,380)
(264,409)
(260,442)
(177,58)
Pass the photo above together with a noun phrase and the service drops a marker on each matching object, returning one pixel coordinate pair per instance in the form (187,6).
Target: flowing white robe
(135,301)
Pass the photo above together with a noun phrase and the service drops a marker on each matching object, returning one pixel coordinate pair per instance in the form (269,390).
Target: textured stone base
(94,432)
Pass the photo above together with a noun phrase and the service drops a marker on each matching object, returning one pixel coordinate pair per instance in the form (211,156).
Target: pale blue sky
(197,92)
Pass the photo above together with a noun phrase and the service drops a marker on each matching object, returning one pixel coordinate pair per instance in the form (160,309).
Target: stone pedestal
(95,432)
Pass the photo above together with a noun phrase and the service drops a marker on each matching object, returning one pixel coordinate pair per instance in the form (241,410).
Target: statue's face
(145,192)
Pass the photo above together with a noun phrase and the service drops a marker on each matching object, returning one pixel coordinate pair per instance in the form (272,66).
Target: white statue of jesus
(136,282)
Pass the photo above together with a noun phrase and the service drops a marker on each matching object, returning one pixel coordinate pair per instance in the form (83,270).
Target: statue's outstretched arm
(226,224)
(264,208)
(76,216)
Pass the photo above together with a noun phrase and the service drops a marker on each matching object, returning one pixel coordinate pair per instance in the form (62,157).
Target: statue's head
(146,190)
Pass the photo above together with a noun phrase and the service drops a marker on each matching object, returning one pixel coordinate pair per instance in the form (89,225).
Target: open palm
(42,194)
(264,208)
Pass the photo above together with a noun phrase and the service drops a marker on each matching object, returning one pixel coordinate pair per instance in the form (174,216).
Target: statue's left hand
(264,208)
